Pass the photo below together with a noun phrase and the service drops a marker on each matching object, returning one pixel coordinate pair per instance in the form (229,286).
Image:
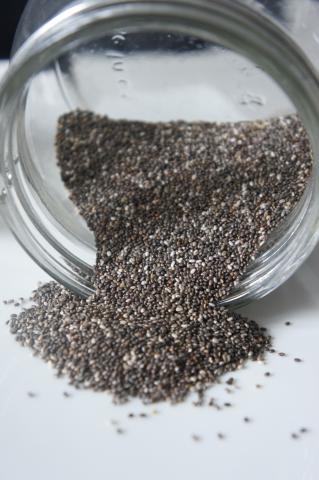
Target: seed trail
(179,212)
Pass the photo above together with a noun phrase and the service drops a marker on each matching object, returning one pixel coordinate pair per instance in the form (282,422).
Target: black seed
(304,430)
(230,381)
(32,394)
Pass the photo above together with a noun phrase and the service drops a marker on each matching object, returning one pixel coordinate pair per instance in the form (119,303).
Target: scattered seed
(282,354)
(298,360)
(288,324)
(294,436)
(32,394)
(259,386)
(221,436)
(227,404)
(268,374)
(67,395)
(120,431)
(230,381)
(196,438)
(304,430)
(247,419)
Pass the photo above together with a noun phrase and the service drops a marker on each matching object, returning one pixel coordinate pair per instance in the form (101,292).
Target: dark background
(11,11)
(9,17)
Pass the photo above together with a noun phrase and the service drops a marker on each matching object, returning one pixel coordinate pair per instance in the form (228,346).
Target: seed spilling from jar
(179,212)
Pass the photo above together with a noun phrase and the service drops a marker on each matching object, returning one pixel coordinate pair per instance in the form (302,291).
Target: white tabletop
(53,437)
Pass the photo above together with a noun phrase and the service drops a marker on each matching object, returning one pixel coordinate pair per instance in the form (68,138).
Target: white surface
(52,437)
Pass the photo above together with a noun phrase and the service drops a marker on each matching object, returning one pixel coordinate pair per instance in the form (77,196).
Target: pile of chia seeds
(179,212)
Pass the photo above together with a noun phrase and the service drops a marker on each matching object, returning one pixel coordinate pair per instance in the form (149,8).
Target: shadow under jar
(193,60)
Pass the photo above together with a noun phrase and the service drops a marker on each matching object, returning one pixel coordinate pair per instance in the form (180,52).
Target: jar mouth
(234,26)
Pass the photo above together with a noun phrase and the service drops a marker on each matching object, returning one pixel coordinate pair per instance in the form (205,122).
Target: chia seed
(32,394)
(230,381)
(304,430)
(179,211)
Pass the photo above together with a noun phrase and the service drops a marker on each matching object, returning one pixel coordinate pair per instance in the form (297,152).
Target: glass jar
(214,60)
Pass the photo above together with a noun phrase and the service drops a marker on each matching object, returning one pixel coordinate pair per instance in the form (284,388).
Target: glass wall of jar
(212,60)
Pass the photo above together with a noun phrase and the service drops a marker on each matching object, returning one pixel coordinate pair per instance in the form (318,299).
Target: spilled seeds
(179,212)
